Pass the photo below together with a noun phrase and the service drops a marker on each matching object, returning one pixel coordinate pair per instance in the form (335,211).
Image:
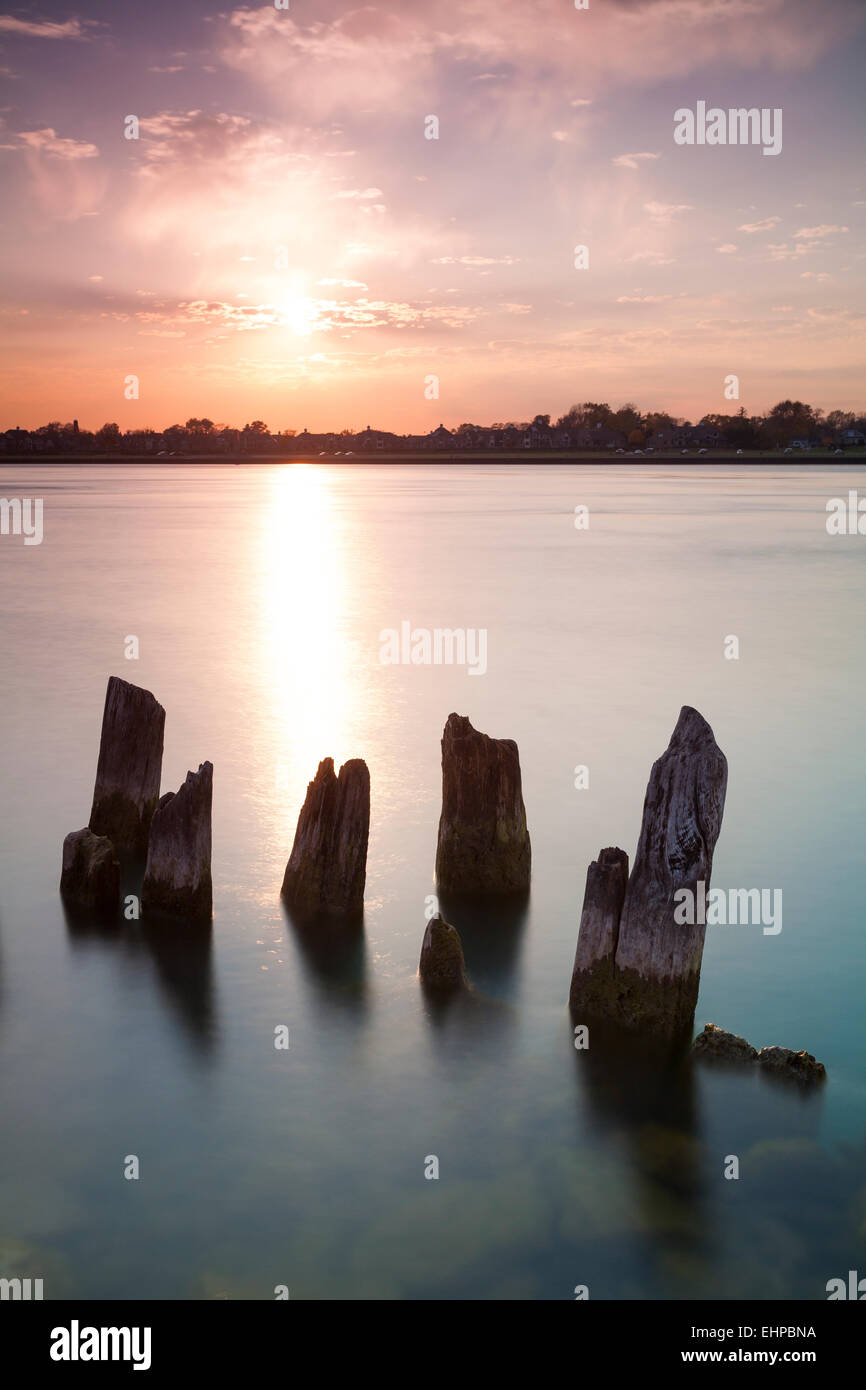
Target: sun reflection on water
(306,654)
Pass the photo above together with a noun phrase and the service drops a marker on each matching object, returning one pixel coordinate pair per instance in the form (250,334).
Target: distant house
(709,436)
(306,442)
(690,437)
(441,438)
(582,438)
(604,438)
(468,439)
(537,437)
(17,441)
(370,439)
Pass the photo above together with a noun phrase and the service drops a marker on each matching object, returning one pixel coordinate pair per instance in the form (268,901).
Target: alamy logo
(22,516)
(847,520)
(739,907)
(75,1343)
(441,646)
(21,1289)
(855,1289)
(737,126)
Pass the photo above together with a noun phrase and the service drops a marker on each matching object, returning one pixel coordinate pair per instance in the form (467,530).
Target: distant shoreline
(560,456)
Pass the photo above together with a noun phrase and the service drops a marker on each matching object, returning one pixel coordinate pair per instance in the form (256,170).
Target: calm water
(258,595)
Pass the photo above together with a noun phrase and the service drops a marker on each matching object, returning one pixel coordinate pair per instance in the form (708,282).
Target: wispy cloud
(316,316)
(44,28)
(765,226)
(361,194)
(633,161)
(642,298)
(666,212)
(475,260)
(650,258)
(816,233)
(61,147)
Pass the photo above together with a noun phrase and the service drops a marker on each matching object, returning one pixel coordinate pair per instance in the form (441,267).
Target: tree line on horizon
(784,422)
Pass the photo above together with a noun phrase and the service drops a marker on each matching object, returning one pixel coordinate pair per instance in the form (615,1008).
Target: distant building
(441,438)
(370,439)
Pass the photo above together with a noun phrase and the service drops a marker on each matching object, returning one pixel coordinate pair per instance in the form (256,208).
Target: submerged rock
(715,1043)
(129,767)
(592,980)
(483,846)
(657,962)
(90,877)
(727,1047)
(327,868)
(442,966)
(800,1066)
(177,877)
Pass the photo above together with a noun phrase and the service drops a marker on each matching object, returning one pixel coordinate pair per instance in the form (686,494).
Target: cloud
(630,161)
(203,180)
(642,298)
(363,194)
(476,260)
(813,233)
(781,251)
(836,315)
(366,58)
(372,59)
(650,257)
(62,179)
(765,226)
(728,249)
(666,212)
(49,142)
(304,317)
(43,28)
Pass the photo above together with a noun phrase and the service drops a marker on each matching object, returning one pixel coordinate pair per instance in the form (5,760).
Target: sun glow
(297,311)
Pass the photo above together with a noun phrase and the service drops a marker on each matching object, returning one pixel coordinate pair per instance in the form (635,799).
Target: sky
(284,240)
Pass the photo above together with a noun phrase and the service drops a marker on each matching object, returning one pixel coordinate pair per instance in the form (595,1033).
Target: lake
(258,595)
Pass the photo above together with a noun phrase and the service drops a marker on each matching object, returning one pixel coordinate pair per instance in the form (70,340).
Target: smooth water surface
(258,595)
